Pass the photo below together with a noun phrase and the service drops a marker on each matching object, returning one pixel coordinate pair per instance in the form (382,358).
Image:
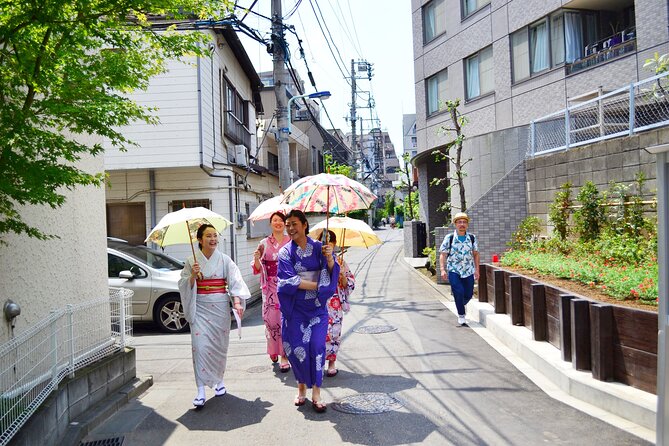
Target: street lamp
(318,95)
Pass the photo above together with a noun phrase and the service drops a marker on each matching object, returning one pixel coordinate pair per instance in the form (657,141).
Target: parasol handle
(327,218)
(191,241)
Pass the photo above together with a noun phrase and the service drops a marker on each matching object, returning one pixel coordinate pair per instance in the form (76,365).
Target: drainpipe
(152,196)
(204,169)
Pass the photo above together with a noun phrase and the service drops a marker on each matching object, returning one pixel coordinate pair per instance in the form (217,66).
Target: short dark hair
(280,214)
(300,216)
(200,232)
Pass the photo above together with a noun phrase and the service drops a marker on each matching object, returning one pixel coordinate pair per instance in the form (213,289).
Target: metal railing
(640,106)
(37,360)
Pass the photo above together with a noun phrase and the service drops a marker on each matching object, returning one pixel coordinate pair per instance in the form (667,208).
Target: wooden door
(127,221)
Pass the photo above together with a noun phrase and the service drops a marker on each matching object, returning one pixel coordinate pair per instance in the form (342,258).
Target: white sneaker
(462,320)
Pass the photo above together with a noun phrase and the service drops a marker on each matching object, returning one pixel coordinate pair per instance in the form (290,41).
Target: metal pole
(54,349)
(566,129)
(70,324)
(662,428)
(353,122)
(280,84)
(533,148)
(632,106)
(121,323)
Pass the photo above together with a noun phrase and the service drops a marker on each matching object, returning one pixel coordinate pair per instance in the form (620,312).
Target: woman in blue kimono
(307,274)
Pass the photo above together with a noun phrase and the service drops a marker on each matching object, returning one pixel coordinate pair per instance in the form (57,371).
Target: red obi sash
(212,286)
(271,267)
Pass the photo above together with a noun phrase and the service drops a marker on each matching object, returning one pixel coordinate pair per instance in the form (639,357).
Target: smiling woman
(210,283)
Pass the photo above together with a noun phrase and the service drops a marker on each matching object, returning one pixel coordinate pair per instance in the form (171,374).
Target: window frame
(234,107)
(466,68)
(443,72)
(463,8)
(424,10)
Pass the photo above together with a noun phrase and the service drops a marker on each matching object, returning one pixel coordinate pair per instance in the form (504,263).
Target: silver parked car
(153,276)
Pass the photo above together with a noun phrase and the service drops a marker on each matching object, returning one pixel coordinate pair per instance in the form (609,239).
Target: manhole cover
(116,441)
(375,329)
(367,403)
(258,369)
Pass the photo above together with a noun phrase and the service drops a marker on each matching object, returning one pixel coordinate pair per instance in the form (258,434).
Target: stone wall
(616,160)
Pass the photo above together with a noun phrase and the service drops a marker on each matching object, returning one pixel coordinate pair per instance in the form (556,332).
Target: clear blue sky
(378,31)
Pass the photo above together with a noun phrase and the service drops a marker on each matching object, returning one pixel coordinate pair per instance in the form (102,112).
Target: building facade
(509,63)
(202,152)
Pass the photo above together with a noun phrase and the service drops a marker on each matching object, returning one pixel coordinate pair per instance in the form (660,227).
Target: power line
(348,2)
(342,71)
(344,27)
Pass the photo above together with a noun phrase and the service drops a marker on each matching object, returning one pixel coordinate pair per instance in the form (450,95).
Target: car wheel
(169,315)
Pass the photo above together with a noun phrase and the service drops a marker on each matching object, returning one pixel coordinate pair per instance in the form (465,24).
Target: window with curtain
(539,47)
(557,39)
(479,74)
(436,91)
(470,6)
(434,19)
(573,36)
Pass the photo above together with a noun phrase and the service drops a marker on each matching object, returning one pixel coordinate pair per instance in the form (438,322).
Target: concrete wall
(616,160)
(74,397)
(42,276)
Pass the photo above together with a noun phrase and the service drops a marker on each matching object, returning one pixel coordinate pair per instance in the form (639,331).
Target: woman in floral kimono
(307,278)
(210,283)
(265,262)
(337,306)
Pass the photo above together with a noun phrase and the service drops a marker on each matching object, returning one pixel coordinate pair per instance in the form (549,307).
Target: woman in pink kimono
(337,306)
(265,260)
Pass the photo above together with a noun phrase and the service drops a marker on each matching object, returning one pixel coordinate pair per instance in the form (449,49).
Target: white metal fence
(640,106)
(36,361)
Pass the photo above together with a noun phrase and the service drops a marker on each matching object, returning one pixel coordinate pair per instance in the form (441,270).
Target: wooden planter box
(615,343)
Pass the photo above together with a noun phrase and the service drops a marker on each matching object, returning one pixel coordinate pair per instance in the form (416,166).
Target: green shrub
(560,210)
(527,233)
(431,254)
(590,217)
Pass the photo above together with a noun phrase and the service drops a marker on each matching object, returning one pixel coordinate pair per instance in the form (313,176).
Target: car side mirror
(126,275)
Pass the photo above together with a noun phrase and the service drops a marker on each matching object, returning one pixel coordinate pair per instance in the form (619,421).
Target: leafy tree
(333,167)
(458,122)
(390,204)
(410,202)
(65,69)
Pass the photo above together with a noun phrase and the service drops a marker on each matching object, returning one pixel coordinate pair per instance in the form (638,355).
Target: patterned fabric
(326,192)
(305,317)
(337,306)
(209,315)
(271,315)
(461,256)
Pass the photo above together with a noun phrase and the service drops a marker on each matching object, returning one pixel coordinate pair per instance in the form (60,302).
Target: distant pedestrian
(265,262)
(459,256)
(210,283)
(308,276)
(337,305)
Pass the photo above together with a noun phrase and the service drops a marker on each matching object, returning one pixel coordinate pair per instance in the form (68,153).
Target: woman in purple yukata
(265,262)
(308,276)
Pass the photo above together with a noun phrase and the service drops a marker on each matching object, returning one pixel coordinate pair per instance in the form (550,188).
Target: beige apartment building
(511,62)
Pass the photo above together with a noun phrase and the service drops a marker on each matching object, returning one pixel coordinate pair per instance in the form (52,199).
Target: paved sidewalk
(453,387)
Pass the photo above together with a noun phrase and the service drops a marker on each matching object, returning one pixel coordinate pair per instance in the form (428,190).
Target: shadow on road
(225,413)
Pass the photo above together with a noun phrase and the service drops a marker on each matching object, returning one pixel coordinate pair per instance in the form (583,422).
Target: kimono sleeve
(236,285)
(327,283)
(288,282)
(187,291)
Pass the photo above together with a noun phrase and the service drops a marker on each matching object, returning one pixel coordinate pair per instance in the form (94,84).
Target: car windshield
(155,259)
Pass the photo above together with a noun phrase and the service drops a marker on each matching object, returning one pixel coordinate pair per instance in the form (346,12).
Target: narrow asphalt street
(440,384)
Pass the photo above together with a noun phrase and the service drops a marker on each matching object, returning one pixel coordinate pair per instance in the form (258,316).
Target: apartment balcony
(236,131)
(605,50)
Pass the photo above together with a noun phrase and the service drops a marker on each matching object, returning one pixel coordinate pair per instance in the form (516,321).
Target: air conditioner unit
(241,155)
(302,114)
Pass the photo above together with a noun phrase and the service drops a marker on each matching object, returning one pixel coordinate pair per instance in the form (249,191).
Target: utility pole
(358,157)
(279,72)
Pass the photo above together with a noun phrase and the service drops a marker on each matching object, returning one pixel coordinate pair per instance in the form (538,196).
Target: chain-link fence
(637,107)
(36,361)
